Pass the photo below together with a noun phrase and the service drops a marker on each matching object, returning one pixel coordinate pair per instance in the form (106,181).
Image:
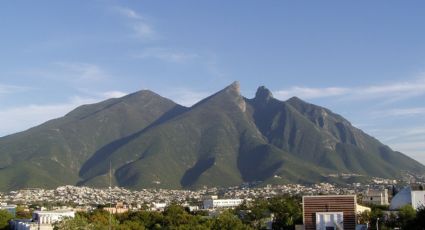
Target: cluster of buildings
(84,196)
(331,211)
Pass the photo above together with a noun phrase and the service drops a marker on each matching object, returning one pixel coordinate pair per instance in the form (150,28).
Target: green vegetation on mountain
(223,140)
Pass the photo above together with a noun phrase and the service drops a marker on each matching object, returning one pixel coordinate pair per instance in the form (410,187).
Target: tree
(175,215)
(228,221)
(255,212)
(364,217)
(22,214)
(147,218)
(131,225)
(376,215)
(406,216)
(419,221)
(77,223)
(287,211)
(5,217)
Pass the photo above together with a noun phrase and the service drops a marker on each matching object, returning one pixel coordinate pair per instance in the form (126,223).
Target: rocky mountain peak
(234,87)
(263,94)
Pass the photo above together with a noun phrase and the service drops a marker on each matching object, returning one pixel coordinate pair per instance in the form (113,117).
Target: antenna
(110,195)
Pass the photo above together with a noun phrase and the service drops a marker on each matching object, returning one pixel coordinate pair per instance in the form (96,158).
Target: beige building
(375,196)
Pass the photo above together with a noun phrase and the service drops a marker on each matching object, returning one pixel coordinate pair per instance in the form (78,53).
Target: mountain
(223,140)
(52,154)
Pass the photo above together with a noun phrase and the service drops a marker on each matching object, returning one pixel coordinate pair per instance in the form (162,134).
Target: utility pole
(110,195)
(377,223)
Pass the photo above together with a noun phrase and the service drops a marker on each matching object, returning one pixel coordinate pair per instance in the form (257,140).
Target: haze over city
(364,60)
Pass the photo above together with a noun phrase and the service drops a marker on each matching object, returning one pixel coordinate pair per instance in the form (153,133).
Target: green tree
(77,223)
(22,214)
(287,211)
(419,222)
(131,225)
(175,215)
(5,217)
(376,215)
(406,216)
(100,219)
(147,218)
(392,221)
(255,212)
(228,221)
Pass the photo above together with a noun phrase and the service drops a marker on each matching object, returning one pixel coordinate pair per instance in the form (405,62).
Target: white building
(158,206)
(50,217)
(418,199)
(408,197)
(42,220)
(221,203)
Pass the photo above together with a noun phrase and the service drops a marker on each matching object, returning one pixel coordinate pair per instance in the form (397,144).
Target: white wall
(418,199)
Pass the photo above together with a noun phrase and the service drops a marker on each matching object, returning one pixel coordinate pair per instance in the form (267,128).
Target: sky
(364,60)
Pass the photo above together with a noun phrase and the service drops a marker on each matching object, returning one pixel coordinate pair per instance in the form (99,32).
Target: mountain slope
(213,143)
(223,140)
(316,134)
(55,151)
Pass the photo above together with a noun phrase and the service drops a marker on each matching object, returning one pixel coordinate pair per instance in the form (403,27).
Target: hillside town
(86,196)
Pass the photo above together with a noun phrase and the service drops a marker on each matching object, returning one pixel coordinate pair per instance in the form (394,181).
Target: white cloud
(82,71)
(186,97)
(399,87)
(390,92)
(129,13)
(166,55)
(412,148)
(76,72)
(416,111)
(20,118)
(401,134)
(309,93)
(113,94)
(8,89)
(141,28)
(409,140)
(144,31)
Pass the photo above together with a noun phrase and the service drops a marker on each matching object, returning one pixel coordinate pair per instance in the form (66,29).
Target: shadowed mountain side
(102,155)
(192,175)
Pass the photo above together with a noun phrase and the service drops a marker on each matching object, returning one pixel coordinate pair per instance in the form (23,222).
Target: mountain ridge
(223,140)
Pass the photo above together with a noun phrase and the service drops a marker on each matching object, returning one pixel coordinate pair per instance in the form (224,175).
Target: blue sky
(362,59)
